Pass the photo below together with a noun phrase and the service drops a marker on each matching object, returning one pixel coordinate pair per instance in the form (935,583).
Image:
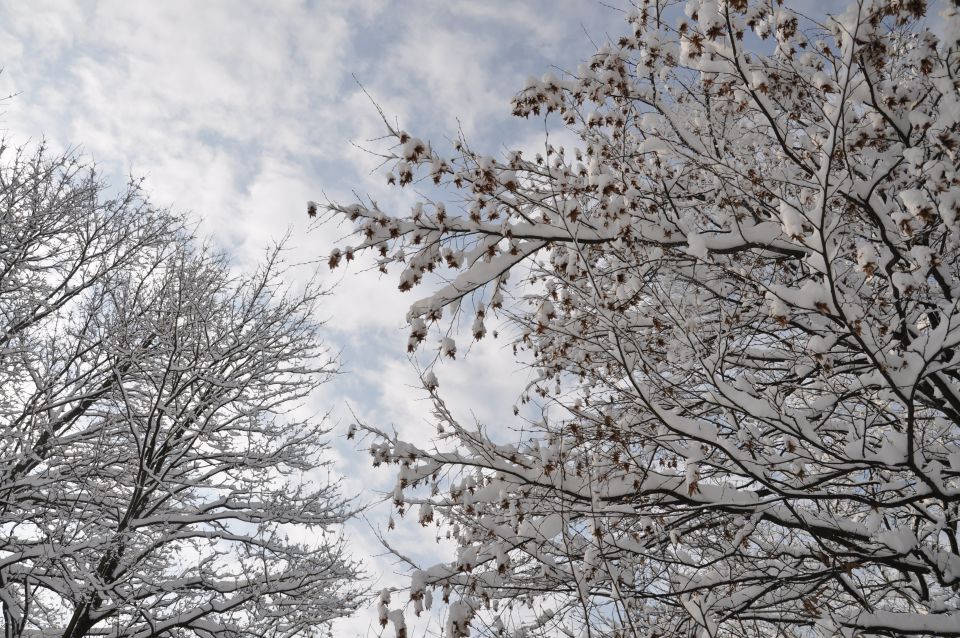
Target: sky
(238,113)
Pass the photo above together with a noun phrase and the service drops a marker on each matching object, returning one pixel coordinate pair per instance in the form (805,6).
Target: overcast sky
(240,112)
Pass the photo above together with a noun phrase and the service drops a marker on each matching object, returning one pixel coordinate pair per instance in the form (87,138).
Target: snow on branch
(152,471)
(740,291)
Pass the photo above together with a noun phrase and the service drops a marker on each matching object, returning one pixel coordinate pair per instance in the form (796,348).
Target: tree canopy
(739,289)
(154,474)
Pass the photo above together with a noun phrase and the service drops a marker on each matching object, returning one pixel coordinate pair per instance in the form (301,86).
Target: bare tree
(740,291)
(154,477)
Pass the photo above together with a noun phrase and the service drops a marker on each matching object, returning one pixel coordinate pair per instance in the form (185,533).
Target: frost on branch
(740,289)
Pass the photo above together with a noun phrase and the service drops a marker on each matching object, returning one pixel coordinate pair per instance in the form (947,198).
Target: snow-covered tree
(154,478)
(739,290)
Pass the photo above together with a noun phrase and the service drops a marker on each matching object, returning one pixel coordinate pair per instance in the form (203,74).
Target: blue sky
(240,112)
